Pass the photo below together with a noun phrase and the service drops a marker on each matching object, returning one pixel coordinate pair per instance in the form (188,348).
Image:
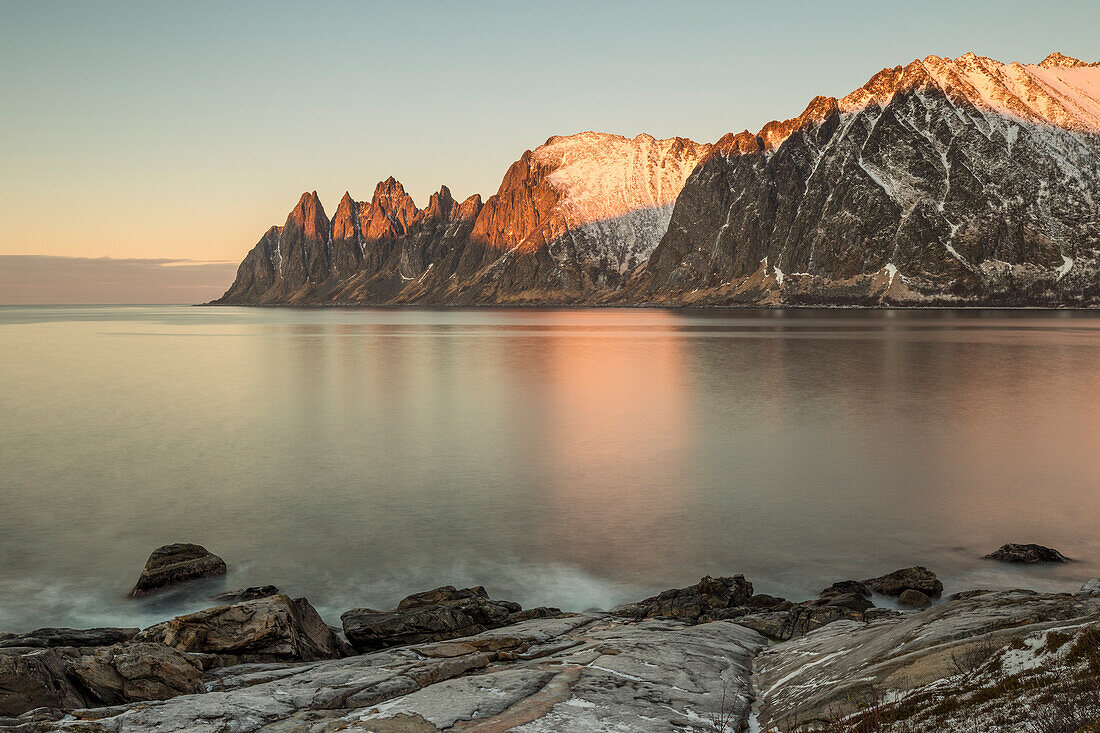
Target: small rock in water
(246,594)
(914,578)
(913,599)
(1030,554)
(171,565)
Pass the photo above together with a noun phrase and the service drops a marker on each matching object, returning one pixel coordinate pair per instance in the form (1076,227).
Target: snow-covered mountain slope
(1059,91)
(947,180)
(616,194)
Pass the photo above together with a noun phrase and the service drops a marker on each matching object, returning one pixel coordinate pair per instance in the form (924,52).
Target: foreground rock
(71,678)
(568,673)
(269,629)
(171,565)
(999,662)
(915,578)
(435,615)
(1030,554)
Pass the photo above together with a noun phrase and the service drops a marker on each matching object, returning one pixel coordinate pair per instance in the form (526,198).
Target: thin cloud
(47,279)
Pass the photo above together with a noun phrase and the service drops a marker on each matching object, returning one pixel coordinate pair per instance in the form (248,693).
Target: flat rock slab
(841,665)
(579,672)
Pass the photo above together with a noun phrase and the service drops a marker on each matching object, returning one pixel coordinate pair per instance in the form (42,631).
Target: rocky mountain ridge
(961,181)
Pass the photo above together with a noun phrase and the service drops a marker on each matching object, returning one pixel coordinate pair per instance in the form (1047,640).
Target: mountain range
(945,182)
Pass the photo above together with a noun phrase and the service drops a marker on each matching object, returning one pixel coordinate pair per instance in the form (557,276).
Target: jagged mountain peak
(309,214)
(390,188)
(1058,59)
(741,143)
(1061,91)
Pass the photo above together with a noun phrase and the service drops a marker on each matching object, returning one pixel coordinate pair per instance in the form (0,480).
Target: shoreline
(256,646)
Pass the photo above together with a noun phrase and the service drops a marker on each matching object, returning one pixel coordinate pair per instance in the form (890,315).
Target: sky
(182,131)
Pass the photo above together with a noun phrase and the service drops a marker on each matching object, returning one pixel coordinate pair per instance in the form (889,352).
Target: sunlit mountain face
(962,181)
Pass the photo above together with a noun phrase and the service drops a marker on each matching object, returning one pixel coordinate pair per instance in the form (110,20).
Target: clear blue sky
(183,130)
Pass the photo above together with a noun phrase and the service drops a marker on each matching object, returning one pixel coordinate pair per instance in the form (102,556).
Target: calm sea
(580,458)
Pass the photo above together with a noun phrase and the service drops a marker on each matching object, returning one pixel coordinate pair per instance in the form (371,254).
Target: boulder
(435,615)
(913,599)
(136,672)
(1030,554)
(36,679)
(694,602)
(46,638)
(67,678)
(846,587)
(272,629)
(899,581)
(246,594)
(853,601)
(174,564)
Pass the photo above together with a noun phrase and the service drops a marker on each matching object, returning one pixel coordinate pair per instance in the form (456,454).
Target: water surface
(579,458)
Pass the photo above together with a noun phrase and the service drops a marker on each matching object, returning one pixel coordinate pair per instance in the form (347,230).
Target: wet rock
(915,578)
(246,594)
(171,565)
(45,638)
(913,599)
(1030,554)
(435,615)
(706,597)
(846,587)
(275,628)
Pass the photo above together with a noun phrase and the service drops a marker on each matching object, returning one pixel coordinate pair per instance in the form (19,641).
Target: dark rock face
(910,190)
(714,599)
(246,594)
(1030,554)
(69,678)
(174,564)
(435,615)
(271,629)
(845,588)
(695,602)
(35,680)
(48,638)
(913,599)
(915,578)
